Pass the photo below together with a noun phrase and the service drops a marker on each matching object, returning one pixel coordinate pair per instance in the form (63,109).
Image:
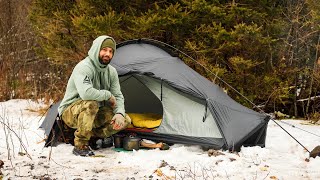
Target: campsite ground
(282,158)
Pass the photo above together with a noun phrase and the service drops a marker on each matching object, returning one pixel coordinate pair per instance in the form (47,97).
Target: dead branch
(21,143)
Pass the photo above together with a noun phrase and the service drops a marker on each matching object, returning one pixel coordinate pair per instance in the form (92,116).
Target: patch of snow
(282,158)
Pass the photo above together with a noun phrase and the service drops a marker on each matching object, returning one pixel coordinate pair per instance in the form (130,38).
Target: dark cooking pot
(131,143)
(118,140)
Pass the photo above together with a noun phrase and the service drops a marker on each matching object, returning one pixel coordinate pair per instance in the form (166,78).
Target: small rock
(315,152)
(45,177)
(1,164)
(163,164)
(219,161)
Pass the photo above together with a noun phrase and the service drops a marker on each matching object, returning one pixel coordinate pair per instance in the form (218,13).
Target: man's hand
(118,122)
(112,101)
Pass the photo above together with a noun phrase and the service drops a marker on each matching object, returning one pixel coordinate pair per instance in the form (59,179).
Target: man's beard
(104,63)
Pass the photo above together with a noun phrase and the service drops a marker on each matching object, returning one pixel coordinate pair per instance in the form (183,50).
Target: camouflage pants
(89,120)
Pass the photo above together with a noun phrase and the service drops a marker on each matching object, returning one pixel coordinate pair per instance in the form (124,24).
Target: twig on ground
(21,143)
(22,128)
(267,175)
(58,163)
(6,132)
(194,172)
(11,138)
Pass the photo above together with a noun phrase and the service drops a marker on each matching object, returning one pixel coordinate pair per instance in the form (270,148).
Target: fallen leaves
(215,153)
(273,177)
(159,173)
(264,168)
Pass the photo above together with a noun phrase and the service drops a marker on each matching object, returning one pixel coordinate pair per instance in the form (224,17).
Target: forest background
(265,50)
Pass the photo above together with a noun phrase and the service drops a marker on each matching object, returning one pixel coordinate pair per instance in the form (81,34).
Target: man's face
(106,55)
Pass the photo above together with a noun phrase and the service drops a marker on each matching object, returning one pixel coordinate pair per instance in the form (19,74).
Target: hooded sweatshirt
(91,80)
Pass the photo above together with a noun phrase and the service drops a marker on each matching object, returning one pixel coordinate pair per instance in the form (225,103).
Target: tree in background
(24,74)
(257,48)
(300,52)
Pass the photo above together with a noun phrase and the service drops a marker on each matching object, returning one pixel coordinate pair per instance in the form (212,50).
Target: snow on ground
(282,158)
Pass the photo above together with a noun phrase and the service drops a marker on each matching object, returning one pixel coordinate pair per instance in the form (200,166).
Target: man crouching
(93,103)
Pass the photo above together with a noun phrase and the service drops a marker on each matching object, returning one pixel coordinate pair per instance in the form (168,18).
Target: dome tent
(194,111)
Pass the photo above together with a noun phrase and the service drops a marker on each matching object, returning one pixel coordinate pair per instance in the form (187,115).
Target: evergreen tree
(248,44)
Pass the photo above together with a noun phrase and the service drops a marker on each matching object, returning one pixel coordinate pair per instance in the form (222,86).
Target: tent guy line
(291,136)
(299,128)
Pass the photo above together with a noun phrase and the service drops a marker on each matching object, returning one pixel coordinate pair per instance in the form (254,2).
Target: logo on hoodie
(86,80)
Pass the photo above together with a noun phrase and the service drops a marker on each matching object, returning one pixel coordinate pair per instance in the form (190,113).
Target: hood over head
(95,50)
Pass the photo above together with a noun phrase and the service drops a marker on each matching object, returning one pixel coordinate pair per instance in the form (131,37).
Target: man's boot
(82,151)
(94,143)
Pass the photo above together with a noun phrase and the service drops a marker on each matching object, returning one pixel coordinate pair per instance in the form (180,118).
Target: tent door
(139,99)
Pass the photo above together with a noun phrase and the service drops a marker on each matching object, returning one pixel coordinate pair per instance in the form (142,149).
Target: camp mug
(118,140)
(131,143)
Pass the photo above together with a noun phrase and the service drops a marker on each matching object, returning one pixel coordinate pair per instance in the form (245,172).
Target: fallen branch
(311,98)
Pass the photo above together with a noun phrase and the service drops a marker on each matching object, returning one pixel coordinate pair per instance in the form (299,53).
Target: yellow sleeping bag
(145,120)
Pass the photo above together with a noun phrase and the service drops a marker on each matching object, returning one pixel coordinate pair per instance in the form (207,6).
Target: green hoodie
(91,80)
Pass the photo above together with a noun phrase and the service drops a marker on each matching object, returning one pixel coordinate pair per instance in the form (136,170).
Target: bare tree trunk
(312,76)
(295,96)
